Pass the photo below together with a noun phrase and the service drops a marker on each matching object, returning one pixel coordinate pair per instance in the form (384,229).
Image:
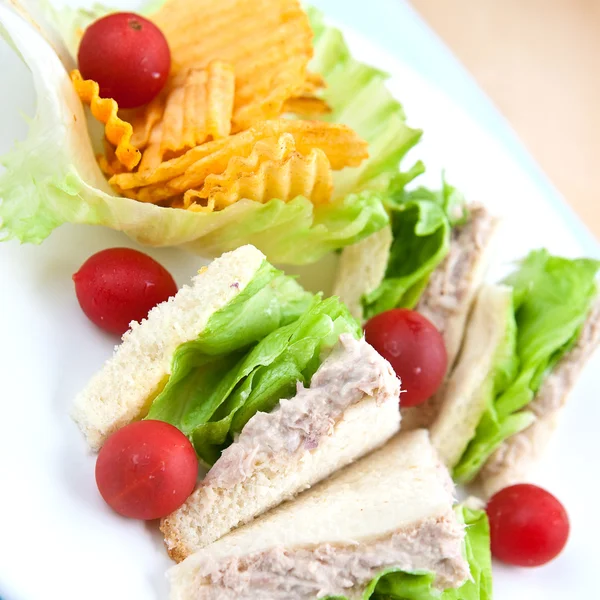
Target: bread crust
(361,269)
(455,411)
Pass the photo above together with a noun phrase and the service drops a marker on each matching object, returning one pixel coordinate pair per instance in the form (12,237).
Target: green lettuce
(552,297)
(252,353)
(421,222)
(359,98)
(52,176)
(401,585)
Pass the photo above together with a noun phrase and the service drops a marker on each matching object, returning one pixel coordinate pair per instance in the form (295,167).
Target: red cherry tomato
(146,470)
(120,285)
(414,348)
(128,56)
(528,525)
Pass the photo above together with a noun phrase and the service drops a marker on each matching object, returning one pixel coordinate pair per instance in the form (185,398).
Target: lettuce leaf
(478,555)
(52,177)
(421,222)
(251,354)
(552,297)
(401,585)
(358,96)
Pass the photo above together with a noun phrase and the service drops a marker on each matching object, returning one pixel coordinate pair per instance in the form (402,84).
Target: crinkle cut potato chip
(108,162)
(342,146)
(184,119)
(220,90)
(242,157)
(152,156)
(117,131)
(276,150)
(314,83)
(309,176)
(274,169)
(307,103)
(144,119)
(306,106)
(198,107)
(192,201)
(212,156)
(268,42)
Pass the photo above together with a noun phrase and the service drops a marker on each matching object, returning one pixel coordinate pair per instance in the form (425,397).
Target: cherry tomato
(414,348)
(146,470)
(120,285)
(128,56)
(528,525)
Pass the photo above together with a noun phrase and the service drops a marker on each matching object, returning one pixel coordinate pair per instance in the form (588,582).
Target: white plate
(58,539)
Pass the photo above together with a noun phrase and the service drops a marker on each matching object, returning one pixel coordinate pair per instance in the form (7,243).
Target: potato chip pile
(218,132)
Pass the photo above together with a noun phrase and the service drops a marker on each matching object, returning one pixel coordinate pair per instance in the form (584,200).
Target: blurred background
(537,61)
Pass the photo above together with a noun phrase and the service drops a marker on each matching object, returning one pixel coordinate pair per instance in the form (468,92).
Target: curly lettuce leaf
(478,554)
(421,222)
(52,177)
(393,584)
(359,98)
(552,297)
(251,354)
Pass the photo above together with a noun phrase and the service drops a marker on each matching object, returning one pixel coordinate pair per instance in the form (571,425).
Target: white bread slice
(512,461)
(124,388)
(361,269)
(399,497)
(463,398)
(289,456)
